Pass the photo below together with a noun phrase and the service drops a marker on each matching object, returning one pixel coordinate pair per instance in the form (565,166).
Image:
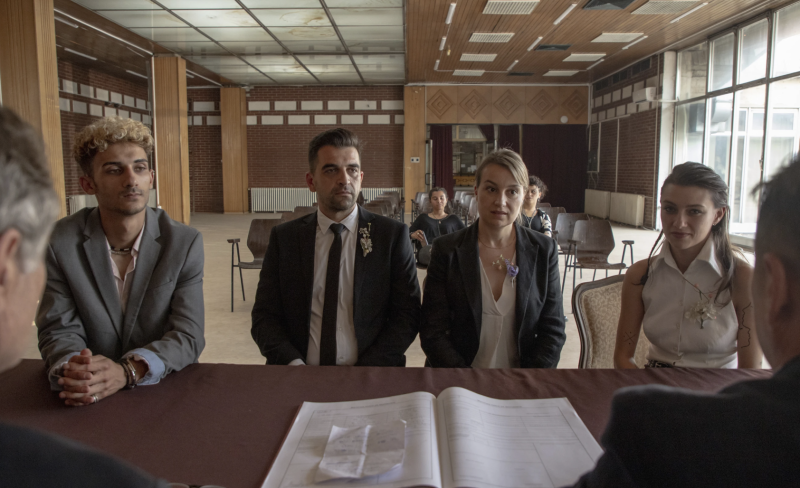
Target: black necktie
(327,343)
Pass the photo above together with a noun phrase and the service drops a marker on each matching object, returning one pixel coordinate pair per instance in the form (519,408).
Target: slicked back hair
(338,138)
(778,229)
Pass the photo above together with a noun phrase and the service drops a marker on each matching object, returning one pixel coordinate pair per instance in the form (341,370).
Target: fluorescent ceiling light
(66,22)
(537,41)
(618,37)
(595,64)
(566,12)
(441,44)
(560,72)
(491,36)
(483,58)
(634,42)
(203,77)
(690,12)
(80,54)
(468,72)
(584,57)
(136,74)
(513,64)
(450,13)
(436,65)
(510,7)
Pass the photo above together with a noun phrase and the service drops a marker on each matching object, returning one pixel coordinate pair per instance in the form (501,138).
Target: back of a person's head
(779,218)
(28,202)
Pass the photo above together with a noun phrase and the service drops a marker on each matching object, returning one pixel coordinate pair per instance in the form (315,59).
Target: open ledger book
(458,440)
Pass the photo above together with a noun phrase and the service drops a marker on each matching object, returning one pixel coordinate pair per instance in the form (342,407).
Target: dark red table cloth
(223,424)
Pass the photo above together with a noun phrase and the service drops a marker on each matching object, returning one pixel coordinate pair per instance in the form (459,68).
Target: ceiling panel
(292,17)
(339,78)
(142,18)
(380,59)
(367,16)
(253,47)
(217,18)
(370,33)
(223,34)
(294,78)
(237,70)
(117,5)
(314,46)
(194,48)
(283,69)
(304,33)
(281,3)
(175,34)
(383,45)
(217,61)
(196,4)
(366,3)
(331,68)
(270,60)
(324,59)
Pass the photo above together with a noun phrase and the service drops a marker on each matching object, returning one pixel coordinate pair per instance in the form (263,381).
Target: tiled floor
(228,334)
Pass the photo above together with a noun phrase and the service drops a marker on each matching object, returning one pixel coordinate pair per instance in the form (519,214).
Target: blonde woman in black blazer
(492,297)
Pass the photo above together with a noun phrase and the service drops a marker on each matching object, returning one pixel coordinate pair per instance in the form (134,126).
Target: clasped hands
(420,236)
(86,378)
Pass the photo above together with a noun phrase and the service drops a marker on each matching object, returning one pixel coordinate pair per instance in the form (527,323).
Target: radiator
(77,202)
(627,208)
(286,199)
(597,203)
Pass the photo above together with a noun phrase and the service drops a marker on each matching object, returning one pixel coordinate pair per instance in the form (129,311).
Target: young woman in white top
(492,296)
(692,298)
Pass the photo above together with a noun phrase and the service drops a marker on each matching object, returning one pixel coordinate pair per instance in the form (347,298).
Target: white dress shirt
(667,297)
(498,342)
(346,344)
(124,282)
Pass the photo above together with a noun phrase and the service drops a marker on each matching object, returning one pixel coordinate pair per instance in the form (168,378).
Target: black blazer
(452,306)
(386,297)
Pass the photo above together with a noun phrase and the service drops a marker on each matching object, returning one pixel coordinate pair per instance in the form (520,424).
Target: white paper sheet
(298,459)
(488,443)
(364,451)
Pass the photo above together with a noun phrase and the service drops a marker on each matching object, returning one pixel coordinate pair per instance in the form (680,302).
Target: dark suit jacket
(385,293)
(30,458)
(81,307)
(452,305)
(747,435)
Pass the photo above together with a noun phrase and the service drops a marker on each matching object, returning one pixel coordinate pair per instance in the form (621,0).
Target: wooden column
(233,107)
(172,136)
(29,76)
(414,134)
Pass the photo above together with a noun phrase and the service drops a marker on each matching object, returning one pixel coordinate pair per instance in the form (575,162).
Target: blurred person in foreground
(747,434)
(28,208)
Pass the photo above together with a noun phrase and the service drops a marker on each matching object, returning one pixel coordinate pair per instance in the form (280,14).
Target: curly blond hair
(97,136)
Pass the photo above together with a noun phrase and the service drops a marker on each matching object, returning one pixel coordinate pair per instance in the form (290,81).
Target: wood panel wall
(30,76)
(172,136)
(415,134)
(497,104)
(233,108)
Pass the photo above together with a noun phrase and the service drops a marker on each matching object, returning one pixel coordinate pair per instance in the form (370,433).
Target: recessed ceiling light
(491,36)
(636,41)
(608,4)
(537,41)
(553,47)
(510,7)
(564,15)
(560,72)
(689,12)
(618,36)
(662,7)
(584,57)
(468,72)
(484,58)
(513,64)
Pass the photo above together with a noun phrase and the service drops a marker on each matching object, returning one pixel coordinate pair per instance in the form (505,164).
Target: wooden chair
(564,229)
(593,241)
(257,242)
(597,308)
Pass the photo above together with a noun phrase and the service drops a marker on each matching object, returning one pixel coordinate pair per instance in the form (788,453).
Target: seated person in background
(124,298)
(693,298)
(28,208)
(492,297)
(429,226)
(532,217)
(747,434)
(339,286)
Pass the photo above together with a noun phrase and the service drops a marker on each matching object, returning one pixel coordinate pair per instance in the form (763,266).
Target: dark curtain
(508,137)
(488,132)
(442,137)
(558,154)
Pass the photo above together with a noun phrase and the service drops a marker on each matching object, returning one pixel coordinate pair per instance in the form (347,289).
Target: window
(719,134)
(753,51)
(693,69)
(783,124)
(787,41)
(689,132)
(748,142)
(721,63)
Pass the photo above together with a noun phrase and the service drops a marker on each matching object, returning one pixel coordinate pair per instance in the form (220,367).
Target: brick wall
(278,154)
(72,121)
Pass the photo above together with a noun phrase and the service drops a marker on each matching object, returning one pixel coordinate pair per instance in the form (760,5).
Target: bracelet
(130,372)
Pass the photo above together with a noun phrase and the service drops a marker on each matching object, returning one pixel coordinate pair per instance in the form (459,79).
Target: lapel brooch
(512,270)
(366,242)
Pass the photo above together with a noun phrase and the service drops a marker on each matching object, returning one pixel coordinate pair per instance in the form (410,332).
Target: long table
(223,424)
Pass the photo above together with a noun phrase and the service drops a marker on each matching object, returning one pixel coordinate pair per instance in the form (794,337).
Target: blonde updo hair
(97,136)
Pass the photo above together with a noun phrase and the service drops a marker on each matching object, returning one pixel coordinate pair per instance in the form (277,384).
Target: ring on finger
(95,398)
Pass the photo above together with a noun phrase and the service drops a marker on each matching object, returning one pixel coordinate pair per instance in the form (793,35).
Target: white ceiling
(261,42)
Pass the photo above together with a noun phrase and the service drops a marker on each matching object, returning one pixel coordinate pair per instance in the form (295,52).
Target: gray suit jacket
(81,307)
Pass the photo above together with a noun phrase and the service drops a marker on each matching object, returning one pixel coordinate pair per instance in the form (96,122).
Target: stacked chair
(564,229)
(257,242)
(593,241)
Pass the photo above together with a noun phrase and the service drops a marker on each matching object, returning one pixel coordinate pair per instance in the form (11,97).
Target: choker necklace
(490,247)
(125,250)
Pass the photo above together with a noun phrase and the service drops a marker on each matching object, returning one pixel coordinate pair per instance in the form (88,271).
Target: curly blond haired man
(123,304)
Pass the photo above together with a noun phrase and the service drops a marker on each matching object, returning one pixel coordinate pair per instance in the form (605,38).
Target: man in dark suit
(338,286)
(28,208)
(747,434)
(123,304)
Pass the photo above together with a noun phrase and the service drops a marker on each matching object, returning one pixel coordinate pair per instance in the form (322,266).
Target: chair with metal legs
(565,226)
(594,241)
(257,242)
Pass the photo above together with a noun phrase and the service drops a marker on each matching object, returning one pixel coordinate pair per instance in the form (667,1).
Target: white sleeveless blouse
(498,342)
(676,339)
